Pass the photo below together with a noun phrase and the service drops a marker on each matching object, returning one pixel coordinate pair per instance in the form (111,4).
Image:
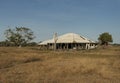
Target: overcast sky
(88,18)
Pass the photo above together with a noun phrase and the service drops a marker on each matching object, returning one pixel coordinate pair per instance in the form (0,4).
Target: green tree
(19,36)
(105,38)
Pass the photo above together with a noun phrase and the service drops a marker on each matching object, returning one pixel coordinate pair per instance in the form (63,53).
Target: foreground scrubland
(31,65)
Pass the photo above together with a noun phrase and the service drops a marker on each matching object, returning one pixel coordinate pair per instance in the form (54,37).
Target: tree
(105,38)
(19,36)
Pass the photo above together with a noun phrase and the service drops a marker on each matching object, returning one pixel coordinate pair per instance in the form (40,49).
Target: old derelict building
(68,41)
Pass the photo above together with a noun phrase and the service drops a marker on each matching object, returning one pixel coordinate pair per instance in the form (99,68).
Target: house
(68,41)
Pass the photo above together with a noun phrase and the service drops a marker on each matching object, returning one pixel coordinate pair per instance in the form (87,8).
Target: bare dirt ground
(30,65)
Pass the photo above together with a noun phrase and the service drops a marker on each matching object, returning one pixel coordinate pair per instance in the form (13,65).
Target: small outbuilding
(68,41)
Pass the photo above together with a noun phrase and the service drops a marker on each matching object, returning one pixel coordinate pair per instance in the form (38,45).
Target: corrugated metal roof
(68,38)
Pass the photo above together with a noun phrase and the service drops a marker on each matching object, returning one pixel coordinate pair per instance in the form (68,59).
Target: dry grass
(30,65)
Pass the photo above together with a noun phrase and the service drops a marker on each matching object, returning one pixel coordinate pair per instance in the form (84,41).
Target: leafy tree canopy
(105,38)
(19,36)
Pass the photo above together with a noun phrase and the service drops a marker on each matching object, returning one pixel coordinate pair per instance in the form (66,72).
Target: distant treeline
(116,44)
(10,44)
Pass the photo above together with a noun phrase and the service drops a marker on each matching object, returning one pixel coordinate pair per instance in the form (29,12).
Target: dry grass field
(30,65)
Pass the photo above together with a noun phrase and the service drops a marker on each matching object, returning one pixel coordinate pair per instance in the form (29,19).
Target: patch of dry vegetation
(29,65)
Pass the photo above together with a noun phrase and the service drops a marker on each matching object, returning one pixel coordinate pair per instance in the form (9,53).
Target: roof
(68,38)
